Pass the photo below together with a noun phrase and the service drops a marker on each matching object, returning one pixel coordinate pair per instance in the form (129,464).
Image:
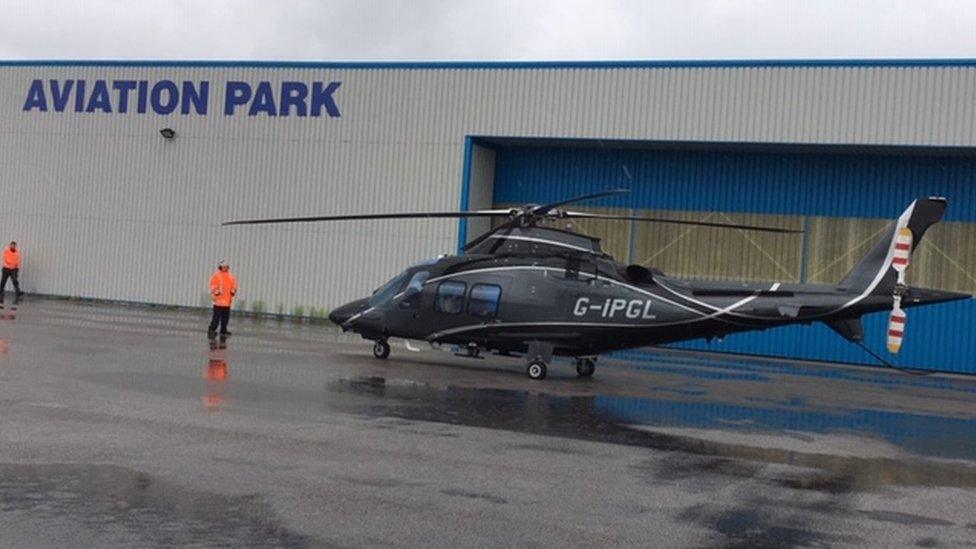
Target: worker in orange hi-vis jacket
(11,270)
(223,288)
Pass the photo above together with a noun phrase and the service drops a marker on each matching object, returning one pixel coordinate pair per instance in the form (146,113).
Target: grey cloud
(479,30)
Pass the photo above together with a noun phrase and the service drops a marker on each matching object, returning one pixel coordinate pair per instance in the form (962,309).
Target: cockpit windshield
(385,293)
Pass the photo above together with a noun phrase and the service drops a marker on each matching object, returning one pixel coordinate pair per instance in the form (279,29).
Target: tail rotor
(897,320)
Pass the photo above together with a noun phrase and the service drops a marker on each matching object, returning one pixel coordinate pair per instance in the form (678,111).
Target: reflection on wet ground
(737,368)
(9,311)
(106,505)
(737,451)
(787,438)
(635,421)
(216,373)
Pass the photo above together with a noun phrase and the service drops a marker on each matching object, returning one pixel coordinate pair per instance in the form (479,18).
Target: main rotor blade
(409,215)
(584,215)
(542,210)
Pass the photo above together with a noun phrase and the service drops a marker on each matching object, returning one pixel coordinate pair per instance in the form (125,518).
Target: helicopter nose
(343,314)
(337,317)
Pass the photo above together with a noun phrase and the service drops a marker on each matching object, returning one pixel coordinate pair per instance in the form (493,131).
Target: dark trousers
(220,315)
(12,275)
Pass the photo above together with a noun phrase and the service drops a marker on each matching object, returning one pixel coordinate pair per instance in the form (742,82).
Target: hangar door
(843,199)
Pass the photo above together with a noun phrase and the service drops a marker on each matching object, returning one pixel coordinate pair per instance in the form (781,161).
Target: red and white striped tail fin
(896,327)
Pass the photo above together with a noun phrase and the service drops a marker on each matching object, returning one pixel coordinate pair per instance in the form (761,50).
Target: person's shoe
(211,334)
(225,333)
(19,294)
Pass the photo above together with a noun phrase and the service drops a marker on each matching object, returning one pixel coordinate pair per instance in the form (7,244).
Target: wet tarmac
(126,426)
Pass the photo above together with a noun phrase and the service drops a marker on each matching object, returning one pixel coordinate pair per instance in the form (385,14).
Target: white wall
(106,208)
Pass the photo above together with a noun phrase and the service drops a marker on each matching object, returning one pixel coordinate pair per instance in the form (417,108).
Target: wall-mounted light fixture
(168,133)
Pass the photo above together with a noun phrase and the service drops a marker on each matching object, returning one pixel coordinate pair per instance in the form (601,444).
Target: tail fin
(873,274)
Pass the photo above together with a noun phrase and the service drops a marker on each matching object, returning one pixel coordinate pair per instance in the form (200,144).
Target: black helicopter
(536,291)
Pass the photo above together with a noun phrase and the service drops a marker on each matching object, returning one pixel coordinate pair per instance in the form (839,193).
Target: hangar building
(107,207)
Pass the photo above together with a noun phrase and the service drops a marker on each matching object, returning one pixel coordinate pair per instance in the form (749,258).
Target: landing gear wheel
(536,369)
(381,349)
(585,367)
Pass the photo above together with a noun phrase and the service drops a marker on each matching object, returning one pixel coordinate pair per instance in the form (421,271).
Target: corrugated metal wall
(481,187)
(106,208)
(842,200)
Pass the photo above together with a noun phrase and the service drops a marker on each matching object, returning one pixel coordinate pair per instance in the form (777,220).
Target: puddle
(751,528)
(632,421)
(215,374)
(115,506)
(733,367)
(8,311)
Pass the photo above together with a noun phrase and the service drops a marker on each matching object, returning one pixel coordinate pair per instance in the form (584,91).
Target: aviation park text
(167,97)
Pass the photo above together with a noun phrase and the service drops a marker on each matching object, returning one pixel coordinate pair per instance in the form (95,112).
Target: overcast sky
(485,29)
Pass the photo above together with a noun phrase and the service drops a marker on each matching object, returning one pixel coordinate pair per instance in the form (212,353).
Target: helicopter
(531,290)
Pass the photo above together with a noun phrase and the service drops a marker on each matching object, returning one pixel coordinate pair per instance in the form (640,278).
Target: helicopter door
(473,302)
(408,312)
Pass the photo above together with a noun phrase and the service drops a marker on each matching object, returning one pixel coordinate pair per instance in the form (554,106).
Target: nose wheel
(381,349)
(585,367)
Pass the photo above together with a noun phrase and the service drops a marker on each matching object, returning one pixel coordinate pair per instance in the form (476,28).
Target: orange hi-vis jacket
(223,288)
(11,258)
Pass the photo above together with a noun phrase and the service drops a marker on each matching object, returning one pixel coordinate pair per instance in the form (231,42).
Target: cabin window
(450,297)
(414,289)
(484,299)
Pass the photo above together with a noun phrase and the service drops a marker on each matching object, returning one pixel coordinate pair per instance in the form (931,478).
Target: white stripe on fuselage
(364,311)
(437,335)
(702,317)
(558,270)
(690,299)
